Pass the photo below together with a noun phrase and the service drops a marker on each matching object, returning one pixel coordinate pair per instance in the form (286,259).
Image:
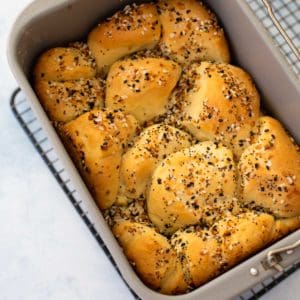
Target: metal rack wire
(287,12)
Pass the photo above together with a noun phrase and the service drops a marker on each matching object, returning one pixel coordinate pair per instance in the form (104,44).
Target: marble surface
(46,251)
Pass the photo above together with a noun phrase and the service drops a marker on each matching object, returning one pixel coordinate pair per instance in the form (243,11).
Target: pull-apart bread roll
(218,102)
(153,145)
(97,140)
(186,182)
(142,86)
(64,64)
(65,101)
(133,29)
(152,257)
(200,255)
(190,32)
(65,83)
(270,171)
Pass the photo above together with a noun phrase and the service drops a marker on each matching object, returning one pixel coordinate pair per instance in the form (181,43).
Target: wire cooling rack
(288,14)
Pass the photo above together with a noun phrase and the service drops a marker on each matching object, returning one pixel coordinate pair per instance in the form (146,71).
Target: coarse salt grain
(268,164)
(290,180)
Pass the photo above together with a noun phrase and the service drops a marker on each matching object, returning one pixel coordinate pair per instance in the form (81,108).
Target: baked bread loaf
(142,86)
(135,28)
(171,142)
(96,140)
(217,102)
(270,171)
(190,32)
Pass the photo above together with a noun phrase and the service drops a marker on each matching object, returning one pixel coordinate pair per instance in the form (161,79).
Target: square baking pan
(44,24)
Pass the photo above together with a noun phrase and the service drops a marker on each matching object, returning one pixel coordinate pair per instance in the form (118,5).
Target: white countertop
(46,251)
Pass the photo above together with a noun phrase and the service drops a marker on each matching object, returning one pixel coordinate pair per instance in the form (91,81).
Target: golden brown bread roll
(190,32)
(270,171)
(96,140)
(200,255)
(135,28)
(237,237)
(219,102)
(64,64)
(152,146)
(152,257)
(65,82)
(188,180)
(142,86)
(65,101)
